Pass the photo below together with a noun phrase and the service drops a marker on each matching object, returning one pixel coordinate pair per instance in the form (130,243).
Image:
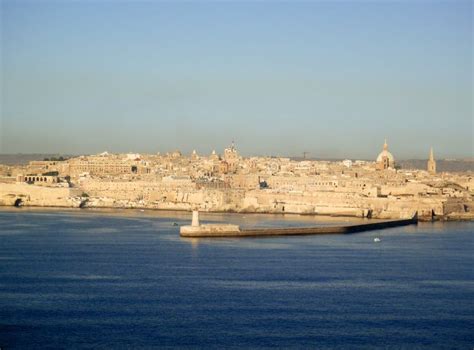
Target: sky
(279,78)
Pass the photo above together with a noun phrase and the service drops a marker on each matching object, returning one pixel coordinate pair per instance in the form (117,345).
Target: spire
(385,146)
(431,163)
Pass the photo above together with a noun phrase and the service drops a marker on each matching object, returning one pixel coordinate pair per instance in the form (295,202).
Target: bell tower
(431,166)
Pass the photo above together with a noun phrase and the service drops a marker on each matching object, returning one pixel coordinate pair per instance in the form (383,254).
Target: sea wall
(33,195)
(167,195)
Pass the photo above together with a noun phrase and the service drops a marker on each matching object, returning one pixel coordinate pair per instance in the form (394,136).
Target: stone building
(38,178)
(104,165)
(231,157)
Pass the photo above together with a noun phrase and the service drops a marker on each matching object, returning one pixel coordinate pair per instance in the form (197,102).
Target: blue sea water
(125,279)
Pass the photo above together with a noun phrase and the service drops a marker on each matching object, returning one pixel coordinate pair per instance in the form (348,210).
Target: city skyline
(220,152)
(331,79)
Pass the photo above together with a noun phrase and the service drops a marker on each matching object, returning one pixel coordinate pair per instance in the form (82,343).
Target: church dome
(386,154)
(385,157)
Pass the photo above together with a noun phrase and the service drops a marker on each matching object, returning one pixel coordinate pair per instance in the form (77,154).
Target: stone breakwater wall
(220,230)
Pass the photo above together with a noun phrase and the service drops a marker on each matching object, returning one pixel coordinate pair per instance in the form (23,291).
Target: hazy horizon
(221,153)
(331,79)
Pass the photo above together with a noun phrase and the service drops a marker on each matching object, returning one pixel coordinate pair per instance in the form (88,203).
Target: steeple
(431,165)
(385,146)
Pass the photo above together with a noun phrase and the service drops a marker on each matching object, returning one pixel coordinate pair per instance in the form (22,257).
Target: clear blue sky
(330,78)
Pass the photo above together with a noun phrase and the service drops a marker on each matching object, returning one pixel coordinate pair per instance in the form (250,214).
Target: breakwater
(210,231)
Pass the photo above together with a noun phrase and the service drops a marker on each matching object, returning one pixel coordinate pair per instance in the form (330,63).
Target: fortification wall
(303,202)
(335,203)
(157,195)
(33,195)
(393,207)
